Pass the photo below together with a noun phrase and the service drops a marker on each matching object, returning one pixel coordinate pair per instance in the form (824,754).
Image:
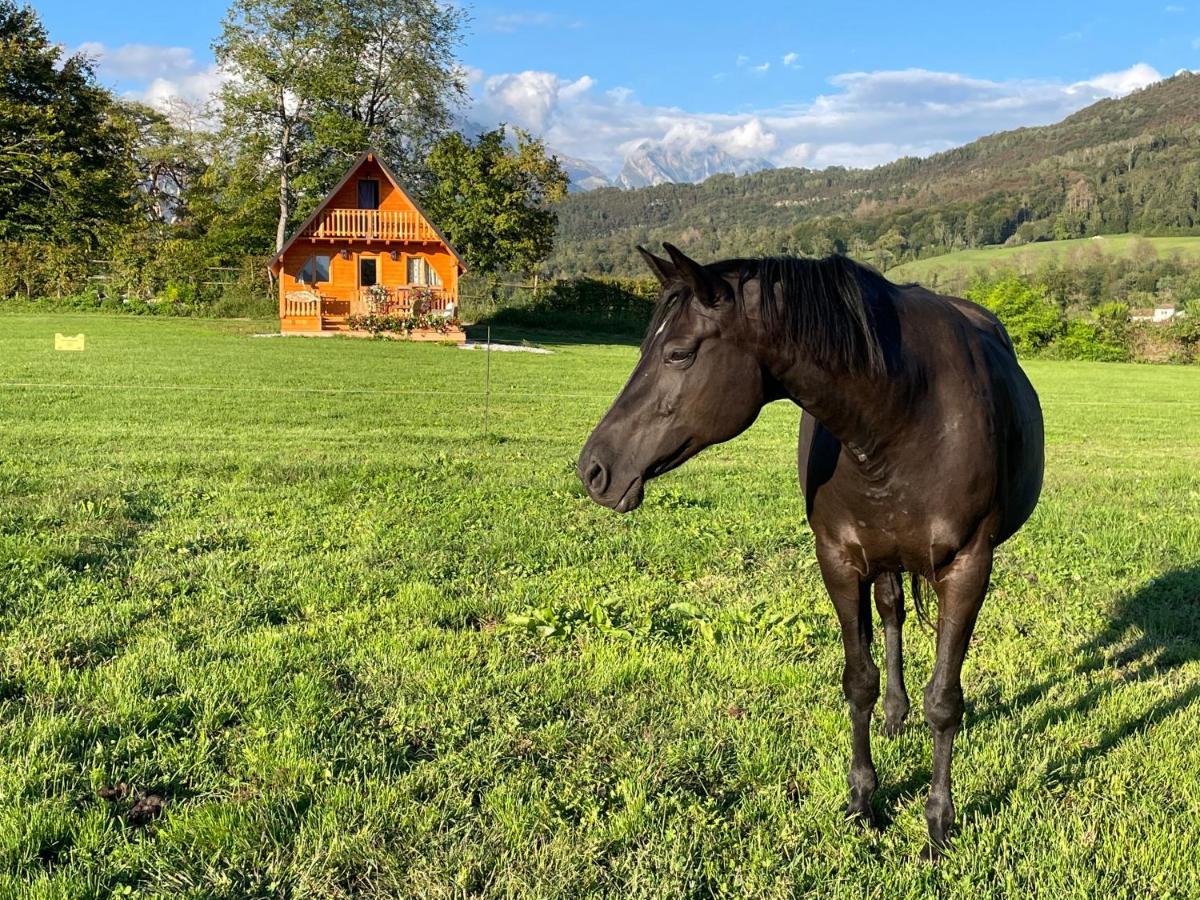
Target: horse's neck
(862,411)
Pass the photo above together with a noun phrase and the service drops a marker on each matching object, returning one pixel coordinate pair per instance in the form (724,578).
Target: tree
(279,55)
(171,155)
(889,247)
(231,206)
(396,81)
(314,82)
(65,147)
(494,200)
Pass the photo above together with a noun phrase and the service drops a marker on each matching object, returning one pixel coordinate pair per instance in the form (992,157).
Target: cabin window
(315,269)
(422,273)
(367,271)
(368,193)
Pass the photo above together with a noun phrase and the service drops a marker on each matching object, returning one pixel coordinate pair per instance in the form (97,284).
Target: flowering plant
(383,324)
(421,301)
(378,298)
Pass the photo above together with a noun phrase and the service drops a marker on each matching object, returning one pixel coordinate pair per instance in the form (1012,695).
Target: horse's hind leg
(889,600)
(960,590)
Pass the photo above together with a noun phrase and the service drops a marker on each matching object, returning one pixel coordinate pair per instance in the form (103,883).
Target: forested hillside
(1131,164)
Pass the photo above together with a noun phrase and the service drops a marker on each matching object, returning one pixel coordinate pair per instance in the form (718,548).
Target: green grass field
(268,580)
(964,263)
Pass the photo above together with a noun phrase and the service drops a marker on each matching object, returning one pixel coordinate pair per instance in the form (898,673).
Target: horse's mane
(827,307)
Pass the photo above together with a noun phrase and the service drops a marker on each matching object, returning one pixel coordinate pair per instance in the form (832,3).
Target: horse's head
(697,383)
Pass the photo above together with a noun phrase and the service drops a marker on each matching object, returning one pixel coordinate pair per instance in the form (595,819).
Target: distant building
(1157,315)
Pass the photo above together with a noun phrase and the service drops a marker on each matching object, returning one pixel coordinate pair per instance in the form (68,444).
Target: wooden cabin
(368,249)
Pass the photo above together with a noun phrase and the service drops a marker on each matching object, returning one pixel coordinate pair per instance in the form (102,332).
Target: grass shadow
(1152,632)
(509,333)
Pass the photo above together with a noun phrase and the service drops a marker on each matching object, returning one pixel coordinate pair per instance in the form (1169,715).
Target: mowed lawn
(269,580)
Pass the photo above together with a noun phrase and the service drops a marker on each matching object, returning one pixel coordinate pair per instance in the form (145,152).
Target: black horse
(921,451)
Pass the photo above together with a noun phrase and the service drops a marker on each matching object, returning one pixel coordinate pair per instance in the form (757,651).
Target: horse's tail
(914,581)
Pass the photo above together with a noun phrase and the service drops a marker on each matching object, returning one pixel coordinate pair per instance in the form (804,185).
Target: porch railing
(399,301)
(371,224)
(301,303)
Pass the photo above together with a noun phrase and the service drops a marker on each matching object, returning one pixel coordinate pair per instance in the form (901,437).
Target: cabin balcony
(369,225)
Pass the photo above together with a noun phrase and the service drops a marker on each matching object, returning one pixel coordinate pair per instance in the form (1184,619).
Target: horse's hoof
(893,728)
(936,846)
(861,814)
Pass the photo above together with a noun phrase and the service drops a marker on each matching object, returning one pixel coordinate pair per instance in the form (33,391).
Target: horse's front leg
(860,679)
(960,590)
(889,600)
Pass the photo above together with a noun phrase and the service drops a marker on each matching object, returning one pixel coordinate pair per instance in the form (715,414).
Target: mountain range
(583,175)
(655,162)
(1123,165)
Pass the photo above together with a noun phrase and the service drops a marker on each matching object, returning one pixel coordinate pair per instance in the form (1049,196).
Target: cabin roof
(370,154)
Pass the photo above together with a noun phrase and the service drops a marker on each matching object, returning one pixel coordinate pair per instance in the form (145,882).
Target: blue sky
(797,83)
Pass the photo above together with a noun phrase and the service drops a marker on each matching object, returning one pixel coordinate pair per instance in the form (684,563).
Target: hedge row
(617,306)
(132,272)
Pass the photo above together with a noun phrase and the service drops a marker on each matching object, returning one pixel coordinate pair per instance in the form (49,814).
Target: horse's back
(1013,411)
(1016,417)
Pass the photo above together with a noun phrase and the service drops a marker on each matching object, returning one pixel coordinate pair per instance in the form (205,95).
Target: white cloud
(1119,83)
(509,22)
(531,99)
(791,59)
(749,140)
(1174,8)
(867,118)
(743,62)
(864,119)
(139,61)
(195,87)
(154,74)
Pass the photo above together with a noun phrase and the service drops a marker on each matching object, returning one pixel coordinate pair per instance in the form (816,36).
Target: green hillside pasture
(268,580)
(962,265)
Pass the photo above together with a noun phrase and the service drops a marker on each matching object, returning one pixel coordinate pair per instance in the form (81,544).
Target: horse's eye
(680,355)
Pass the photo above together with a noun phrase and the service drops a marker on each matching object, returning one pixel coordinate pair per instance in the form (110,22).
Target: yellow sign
(68,341)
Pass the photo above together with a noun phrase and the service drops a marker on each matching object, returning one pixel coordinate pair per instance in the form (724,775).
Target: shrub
(1033,321)
(1185,331)
(1086,340)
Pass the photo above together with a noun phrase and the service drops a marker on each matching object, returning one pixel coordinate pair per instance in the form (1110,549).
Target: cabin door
(368,271)
(368,277)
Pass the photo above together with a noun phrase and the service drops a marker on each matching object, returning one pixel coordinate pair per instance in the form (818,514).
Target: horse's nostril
(596,477)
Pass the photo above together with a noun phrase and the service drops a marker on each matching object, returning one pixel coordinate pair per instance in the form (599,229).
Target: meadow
(358,647)
(1027,257)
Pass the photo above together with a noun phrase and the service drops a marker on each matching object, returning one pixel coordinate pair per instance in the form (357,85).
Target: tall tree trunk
(285,161)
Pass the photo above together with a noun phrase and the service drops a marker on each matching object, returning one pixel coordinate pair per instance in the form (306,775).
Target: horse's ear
(704,286)
(662,269)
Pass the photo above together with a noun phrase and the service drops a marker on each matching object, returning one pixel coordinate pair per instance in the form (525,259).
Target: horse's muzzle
(597,479)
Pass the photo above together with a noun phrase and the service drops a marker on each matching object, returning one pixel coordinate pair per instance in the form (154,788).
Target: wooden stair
(335,323)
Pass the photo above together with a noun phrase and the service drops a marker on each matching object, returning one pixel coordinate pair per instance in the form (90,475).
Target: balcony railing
(371,225)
